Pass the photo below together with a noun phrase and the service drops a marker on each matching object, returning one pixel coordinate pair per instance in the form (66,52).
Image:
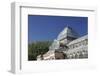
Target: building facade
(68,45)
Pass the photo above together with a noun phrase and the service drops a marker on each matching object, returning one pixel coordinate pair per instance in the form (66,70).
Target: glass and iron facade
(68,45)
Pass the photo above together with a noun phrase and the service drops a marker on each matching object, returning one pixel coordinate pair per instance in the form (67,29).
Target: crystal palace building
(68,45)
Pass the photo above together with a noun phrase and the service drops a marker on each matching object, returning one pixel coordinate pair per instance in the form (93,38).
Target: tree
(37,48)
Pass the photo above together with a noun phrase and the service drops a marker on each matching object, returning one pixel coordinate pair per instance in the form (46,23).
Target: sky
(42,27)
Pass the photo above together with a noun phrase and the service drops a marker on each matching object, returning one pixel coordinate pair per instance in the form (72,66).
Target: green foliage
(37,48)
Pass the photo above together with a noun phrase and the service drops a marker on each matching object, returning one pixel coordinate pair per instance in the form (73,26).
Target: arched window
(80,54)
(73,55)
(77,54)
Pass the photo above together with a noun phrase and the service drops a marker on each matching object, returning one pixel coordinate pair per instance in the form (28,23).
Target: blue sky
(41,28)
